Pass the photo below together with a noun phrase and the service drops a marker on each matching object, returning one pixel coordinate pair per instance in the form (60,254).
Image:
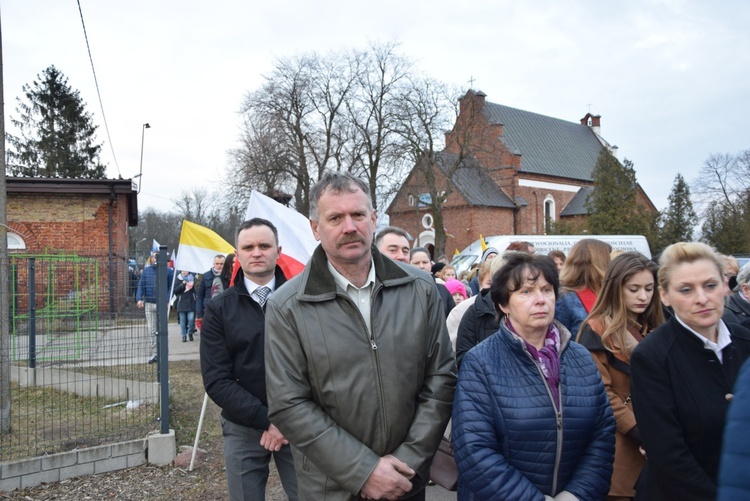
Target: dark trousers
(246,463)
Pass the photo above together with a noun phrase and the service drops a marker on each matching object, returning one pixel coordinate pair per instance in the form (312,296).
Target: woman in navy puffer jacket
(531,418)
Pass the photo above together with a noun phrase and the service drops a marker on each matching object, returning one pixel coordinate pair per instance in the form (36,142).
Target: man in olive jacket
(359,367)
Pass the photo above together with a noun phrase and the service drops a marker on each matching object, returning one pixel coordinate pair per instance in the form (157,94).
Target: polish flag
(295,235)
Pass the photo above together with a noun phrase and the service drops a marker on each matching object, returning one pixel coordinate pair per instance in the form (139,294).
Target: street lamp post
(140,171)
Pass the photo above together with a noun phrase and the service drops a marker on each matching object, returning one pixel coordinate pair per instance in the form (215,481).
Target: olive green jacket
(342,398)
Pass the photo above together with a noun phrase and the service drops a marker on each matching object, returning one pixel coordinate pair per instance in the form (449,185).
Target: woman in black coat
(682,376)
(185,292)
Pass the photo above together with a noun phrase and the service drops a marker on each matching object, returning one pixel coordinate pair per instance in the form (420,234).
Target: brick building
(87,218)
(519,173)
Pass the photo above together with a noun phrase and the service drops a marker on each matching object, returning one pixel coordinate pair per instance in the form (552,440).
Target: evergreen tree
(680,219)
(612,206)
(57,136)
(727,226)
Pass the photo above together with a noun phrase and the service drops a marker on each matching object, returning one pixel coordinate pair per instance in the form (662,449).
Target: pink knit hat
(454,286)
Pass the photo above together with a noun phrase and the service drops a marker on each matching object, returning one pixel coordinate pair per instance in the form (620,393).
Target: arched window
(549,213)
(15,242)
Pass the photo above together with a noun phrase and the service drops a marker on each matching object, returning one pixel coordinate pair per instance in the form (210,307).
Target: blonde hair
(684,252)
(610,304)
(586,264)
(446,268)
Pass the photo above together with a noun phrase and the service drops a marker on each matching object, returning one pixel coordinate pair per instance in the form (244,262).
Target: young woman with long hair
(580,279)
(627,308)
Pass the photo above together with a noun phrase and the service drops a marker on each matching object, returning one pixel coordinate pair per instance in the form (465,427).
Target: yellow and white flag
(198,247)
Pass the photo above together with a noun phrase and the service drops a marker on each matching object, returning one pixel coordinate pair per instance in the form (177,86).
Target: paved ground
(190,351)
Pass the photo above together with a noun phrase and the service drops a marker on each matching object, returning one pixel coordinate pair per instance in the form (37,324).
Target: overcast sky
(671,78)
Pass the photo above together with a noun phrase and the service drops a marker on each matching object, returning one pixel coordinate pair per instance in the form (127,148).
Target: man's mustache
(350,239)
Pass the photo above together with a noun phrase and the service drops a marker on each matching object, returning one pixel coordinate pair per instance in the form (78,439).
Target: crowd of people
(599,374)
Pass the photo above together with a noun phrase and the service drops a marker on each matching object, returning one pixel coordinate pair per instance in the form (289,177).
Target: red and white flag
(295,235)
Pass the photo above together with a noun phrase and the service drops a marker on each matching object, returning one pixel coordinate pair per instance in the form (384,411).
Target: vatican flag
(198,247)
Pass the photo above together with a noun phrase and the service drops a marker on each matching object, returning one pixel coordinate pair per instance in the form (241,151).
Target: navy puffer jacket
(505,426)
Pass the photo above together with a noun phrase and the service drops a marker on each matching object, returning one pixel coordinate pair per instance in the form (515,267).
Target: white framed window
(15,242)
(549,213)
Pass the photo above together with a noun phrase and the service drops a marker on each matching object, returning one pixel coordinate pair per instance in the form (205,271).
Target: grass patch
(186,400)
(45,420)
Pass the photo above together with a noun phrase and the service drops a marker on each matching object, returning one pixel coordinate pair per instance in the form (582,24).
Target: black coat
(232,355)
(446,298)
(478,323)
(736,309)
(203,294)
(680,398)
(185,298)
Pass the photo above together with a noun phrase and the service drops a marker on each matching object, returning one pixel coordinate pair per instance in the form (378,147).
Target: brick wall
(463,223)
(75,223)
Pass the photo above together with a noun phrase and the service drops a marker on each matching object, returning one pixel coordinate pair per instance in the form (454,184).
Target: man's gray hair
(337,182)
(743,276)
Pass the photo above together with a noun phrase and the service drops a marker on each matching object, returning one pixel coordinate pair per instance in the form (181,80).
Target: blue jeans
(187,322)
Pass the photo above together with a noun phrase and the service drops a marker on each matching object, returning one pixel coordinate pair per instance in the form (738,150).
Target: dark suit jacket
(680,398)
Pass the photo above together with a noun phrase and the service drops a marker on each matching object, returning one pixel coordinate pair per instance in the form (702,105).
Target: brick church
(519,173)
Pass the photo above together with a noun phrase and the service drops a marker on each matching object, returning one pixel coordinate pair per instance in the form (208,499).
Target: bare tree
(262,162)
(195,205)
(154,225)
(301,106)
(372,112)
(724,177)
(723,190)
(314,113)
(427,109)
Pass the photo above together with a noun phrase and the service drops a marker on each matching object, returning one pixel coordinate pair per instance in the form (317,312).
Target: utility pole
(4,289)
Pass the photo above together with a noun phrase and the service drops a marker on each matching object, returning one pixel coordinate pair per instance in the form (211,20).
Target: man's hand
(140,304)
(272,439)
(389,479)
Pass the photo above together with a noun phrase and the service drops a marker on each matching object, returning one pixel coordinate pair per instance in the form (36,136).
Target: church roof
(577,204)
(473,182)
(547,145)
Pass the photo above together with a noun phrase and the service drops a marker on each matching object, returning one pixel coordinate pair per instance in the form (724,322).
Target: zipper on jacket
(558,451)
(558,419)
(383,416)
(374,349)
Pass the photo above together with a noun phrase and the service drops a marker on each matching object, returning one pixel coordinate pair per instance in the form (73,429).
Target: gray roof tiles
(473,182)
(577,204)
(548,145)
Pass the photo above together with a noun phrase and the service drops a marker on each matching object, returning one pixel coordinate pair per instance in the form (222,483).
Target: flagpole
(198,431)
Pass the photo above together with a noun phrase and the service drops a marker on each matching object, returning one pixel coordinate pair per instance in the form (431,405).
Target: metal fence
(78,352)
